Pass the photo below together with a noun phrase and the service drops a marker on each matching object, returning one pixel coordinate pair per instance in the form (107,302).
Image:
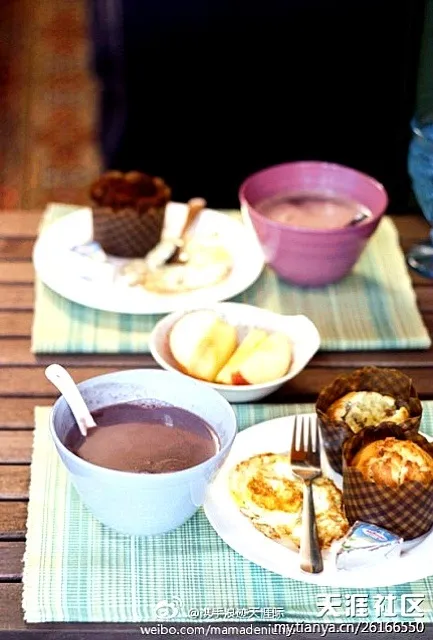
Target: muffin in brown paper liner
(407,509)
(385,381)
(128,212)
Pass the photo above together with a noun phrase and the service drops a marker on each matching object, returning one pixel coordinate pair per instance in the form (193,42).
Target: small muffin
(359,409)
(388,479)
(367,397)
(128,212)
(392,462)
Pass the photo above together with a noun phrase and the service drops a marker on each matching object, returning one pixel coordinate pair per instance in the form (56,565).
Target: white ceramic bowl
(144,504)
(301,331)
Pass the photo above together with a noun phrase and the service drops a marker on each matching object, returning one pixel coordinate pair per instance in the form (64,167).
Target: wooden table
(23,385)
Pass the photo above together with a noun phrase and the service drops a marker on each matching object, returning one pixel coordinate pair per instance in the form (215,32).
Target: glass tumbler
(420,168)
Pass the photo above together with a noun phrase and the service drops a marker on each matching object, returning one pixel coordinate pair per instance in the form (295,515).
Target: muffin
(393,462)
(388,480)
(128,212)
(359,409)
(365,398)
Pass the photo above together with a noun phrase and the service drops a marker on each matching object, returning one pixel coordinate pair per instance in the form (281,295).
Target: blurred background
(205,93)
(48,103)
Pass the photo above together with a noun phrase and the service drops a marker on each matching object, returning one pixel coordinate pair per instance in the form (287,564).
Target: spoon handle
(67,387)
(195,206)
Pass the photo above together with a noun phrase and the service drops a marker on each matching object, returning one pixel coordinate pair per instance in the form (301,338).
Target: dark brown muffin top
(133,189)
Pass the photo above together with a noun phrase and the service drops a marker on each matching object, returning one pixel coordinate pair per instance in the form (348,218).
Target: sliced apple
(251,342)
(270,360)
(201,343)
(237,379)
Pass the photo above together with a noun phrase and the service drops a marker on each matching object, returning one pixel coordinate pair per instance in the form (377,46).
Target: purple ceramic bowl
(304,256)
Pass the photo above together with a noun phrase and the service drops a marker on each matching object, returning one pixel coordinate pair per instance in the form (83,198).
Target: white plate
(74,276)
(237,531)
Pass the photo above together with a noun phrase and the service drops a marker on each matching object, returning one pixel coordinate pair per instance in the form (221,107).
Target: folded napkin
(373,308)
(78,570)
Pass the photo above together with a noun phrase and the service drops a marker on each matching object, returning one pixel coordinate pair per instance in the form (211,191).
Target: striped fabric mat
(373,308)
(77,570)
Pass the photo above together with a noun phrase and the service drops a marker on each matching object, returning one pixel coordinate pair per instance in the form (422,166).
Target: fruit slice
(201,342)
(251,342)
(270,360)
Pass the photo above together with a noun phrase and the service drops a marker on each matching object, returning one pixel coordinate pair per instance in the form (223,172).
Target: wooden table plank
(15,351)
(424,300)
(13,249)
(17,413)
(15,446)
(11,614)
(13,297)
(19,224)
(16,272)
(11,555)
(15,479)
(13,518)
(30,382)
(307,385)
(412,228)
(15,324)
(355,359)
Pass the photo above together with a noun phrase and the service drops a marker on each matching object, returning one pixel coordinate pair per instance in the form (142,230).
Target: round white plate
(79,279)
(237,531)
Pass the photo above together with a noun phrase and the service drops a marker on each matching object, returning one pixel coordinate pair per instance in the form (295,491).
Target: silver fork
(305,463)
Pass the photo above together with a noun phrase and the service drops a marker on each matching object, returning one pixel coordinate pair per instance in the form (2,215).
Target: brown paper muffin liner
(127,232)
(389,382)
(406,510)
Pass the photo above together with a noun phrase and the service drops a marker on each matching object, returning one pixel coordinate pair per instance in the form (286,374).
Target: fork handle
(311,557)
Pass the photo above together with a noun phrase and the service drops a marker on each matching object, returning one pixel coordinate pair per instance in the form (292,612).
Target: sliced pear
(251,342)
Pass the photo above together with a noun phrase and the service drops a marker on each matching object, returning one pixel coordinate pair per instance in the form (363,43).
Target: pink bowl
(312,257)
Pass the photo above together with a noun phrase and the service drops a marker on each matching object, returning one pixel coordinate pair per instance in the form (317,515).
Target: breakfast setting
(198,459)
(216,322)
(216,319)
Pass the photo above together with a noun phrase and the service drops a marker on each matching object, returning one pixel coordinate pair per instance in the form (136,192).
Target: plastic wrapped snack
(365,545)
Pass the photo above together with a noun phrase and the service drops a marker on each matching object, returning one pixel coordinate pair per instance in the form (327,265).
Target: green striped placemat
(373,308)
(77,570)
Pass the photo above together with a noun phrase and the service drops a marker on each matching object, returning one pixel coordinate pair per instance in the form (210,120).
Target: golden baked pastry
(359,409)
(266,491)
(392,462)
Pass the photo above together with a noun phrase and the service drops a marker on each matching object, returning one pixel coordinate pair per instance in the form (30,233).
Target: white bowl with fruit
(242,351)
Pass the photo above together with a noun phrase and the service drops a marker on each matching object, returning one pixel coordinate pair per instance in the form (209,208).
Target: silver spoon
(67,387)
(359,217)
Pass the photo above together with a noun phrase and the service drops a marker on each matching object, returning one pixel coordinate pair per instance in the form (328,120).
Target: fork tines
(305,448)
